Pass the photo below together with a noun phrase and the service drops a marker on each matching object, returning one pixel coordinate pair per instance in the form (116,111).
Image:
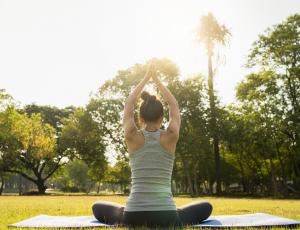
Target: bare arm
(174,113)
(128,119)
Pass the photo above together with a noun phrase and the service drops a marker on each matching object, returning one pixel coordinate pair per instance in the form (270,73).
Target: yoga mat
(247,220)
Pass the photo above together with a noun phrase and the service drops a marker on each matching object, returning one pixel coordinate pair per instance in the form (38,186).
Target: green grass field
(17,208)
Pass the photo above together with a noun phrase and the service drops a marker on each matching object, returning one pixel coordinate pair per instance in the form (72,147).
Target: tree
(278,51)
(28,147)
(193,148)
(73,177)
(261,105)
(50,114)
(119,174)
(211,33)
(6,100)
(82,137)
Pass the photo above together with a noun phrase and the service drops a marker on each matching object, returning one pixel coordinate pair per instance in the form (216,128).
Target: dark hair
(151,108)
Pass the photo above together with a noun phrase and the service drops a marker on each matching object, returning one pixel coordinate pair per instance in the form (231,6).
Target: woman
(151,157)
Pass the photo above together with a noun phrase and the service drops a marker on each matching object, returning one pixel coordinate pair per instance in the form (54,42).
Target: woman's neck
(152,127)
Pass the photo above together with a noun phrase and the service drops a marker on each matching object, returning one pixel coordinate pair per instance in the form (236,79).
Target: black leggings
(113,213)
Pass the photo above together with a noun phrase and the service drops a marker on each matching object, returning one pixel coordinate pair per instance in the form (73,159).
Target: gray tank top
(151,172)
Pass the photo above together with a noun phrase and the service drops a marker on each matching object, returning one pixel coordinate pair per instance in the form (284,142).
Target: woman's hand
(150,71)
(153,73)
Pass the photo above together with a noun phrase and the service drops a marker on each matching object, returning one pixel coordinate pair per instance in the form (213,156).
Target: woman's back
(151,158)
(151,172)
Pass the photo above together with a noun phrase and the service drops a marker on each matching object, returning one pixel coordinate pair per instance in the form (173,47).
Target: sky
(58,52)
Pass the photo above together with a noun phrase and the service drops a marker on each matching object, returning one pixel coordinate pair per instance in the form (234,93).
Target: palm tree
(210,33)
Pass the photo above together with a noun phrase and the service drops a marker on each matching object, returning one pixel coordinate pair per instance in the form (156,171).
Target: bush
(31,193)
(70,189)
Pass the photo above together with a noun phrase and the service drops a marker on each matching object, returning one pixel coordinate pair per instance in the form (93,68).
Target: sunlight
(83,43)
(74,119)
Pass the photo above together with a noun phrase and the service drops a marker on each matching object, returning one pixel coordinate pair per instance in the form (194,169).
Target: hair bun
(147,97)
(152,98)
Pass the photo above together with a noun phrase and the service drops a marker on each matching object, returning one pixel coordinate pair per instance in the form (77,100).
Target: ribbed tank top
(151,172)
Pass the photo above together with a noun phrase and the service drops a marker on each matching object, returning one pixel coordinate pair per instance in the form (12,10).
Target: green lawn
(17,208)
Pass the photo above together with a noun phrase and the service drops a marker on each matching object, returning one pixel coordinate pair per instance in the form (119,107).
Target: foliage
(210,32)
(50,114)
(73,177)
(255,141)
(82,138)
(28,147)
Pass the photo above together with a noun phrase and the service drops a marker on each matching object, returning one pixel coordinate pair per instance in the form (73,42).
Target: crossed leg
(194,213)
(108,212)
(112,213)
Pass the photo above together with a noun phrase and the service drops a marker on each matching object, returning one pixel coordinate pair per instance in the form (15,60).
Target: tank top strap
(151,136)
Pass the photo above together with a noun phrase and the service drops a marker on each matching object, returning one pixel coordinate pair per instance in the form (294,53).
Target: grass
(17,208)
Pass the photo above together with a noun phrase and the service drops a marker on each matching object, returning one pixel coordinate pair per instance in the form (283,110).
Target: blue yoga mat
(247,220)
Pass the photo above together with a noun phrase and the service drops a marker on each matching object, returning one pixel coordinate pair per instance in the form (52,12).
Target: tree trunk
(209,182)
(214,130)
(113,188)
(283,175)
(273,179)
(2,184)
(205,184)
(173,186)
(124,190)
(41,186)
(98,188)
(196,184)
(244,180)
(89,188)
(20,185)
(188,176)
(211,185)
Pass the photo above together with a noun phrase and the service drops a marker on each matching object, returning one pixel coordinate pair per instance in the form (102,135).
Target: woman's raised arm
(128,118)
(174,113)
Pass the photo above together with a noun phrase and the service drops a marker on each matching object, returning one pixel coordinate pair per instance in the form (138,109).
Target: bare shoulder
(168,140)
(134,141)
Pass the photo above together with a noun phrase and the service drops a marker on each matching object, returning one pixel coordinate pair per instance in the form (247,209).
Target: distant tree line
(250,147)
